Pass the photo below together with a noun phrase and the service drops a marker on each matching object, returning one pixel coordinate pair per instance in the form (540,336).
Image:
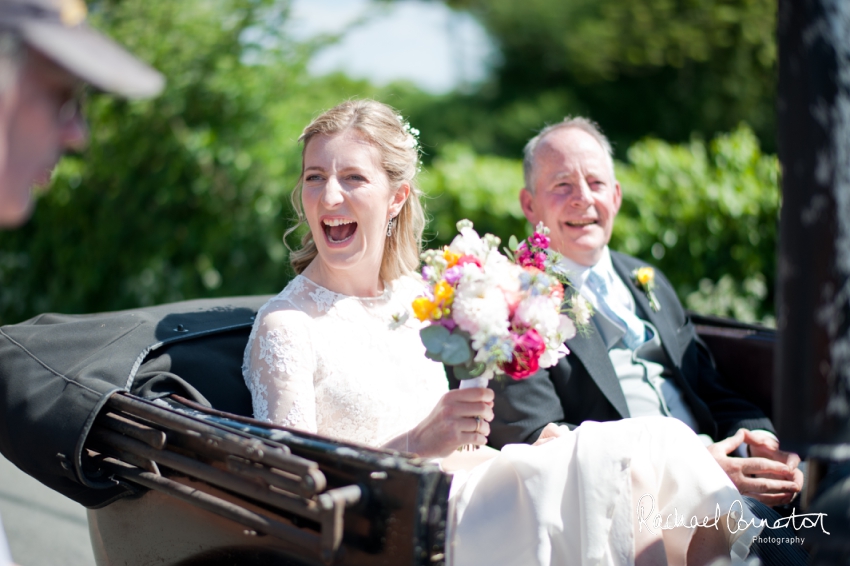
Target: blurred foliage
(187,195)
(485,189)
(665,68)
(702,212)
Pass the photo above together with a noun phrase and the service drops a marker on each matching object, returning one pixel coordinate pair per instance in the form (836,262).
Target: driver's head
(47,55)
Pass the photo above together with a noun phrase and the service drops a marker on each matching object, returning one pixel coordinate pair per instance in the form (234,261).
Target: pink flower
(528,348)
(540,260)
(538,240)
(528,257)
(464,259)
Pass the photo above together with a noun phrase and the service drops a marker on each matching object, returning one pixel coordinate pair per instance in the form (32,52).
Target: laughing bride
(323,358)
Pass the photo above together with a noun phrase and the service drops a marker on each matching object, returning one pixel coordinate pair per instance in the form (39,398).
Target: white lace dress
(339,366)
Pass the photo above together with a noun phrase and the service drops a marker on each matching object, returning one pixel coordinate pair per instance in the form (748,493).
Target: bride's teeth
(336,221)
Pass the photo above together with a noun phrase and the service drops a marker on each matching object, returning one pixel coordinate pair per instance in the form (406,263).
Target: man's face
(39,120)
(575,194)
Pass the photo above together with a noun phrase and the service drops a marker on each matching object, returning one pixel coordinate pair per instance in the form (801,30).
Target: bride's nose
(332,195)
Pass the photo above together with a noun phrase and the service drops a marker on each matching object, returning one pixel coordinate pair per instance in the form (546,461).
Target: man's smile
(580,223)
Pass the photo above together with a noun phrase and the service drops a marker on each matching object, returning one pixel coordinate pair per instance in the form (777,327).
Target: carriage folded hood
(57,371)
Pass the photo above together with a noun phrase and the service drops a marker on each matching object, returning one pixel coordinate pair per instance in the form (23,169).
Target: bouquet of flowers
(490,313)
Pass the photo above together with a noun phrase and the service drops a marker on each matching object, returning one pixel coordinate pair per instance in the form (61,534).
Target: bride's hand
(452,423)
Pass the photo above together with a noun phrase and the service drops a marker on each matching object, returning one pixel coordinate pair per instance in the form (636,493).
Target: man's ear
(526,201)
(399,198)
(618,196)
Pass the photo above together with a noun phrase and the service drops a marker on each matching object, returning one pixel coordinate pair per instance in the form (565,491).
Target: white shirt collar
(578,273)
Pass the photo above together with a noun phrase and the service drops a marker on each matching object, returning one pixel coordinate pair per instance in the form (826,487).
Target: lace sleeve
(279,369)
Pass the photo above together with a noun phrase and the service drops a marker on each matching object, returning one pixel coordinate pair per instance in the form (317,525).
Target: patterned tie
(613,309)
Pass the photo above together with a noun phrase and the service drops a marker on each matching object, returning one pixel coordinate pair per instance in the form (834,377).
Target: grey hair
(12,51)
(578,123)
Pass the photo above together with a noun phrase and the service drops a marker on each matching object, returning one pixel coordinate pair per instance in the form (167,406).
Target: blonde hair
(381,126)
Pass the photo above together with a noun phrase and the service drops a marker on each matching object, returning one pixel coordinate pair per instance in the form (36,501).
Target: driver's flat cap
(58,29)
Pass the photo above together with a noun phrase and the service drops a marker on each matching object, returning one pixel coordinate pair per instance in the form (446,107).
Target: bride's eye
(313,177)
(356,177)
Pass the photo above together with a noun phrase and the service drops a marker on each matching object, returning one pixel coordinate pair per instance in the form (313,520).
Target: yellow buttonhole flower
(645,275)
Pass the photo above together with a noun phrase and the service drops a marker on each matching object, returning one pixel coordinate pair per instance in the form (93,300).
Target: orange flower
(556,291)
(450,257)
(443,292)
(423,308)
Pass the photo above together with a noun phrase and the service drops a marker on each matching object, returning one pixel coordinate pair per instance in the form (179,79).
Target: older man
(643,356)
(47,55)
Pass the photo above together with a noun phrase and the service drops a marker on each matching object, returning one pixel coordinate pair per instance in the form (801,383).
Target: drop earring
(390,227)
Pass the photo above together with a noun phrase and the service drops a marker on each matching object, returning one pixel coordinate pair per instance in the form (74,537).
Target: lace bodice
(331,364)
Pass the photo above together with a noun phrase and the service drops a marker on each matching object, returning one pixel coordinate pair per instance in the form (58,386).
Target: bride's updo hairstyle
(384,128)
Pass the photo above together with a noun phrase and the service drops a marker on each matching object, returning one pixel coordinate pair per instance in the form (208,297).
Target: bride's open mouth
(339,230)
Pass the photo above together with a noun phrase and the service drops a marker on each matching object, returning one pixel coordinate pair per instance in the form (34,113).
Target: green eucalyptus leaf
(456,350)
(477,370)
(434,337)
(462,372)
(436,356)
(469,370)
(513,244)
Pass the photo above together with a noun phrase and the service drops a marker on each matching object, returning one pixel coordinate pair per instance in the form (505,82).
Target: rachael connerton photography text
(734,519)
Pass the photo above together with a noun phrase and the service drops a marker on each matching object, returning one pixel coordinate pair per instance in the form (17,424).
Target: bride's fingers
(483,410)
(472,394)
(478,425)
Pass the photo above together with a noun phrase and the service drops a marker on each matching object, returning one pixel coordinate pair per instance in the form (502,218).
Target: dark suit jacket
(583,386)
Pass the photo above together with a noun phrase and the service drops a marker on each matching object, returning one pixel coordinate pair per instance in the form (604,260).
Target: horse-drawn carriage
(164,453)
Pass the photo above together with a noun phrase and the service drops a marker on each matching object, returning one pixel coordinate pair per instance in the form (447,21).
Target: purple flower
(427,272)
(453,274)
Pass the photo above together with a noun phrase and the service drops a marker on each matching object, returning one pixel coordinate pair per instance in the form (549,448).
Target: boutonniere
(645,279)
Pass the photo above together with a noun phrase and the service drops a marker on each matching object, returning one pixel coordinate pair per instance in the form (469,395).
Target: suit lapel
(590,349)
(658,318)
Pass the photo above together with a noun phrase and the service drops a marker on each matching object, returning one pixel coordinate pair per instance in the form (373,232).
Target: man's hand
(768,475)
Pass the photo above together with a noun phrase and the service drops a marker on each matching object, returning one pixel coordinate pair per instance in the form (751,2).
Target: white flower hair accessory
(412,138)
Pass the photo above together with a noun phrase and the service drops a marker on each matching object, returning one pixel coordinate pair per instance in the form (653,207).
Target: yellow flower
(645,279)
(423,308)
(443,292)
(450,257)
(645,276)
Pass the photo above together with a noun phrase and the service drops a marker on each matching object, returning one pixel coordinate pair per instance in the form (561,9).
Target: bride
(330,355)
